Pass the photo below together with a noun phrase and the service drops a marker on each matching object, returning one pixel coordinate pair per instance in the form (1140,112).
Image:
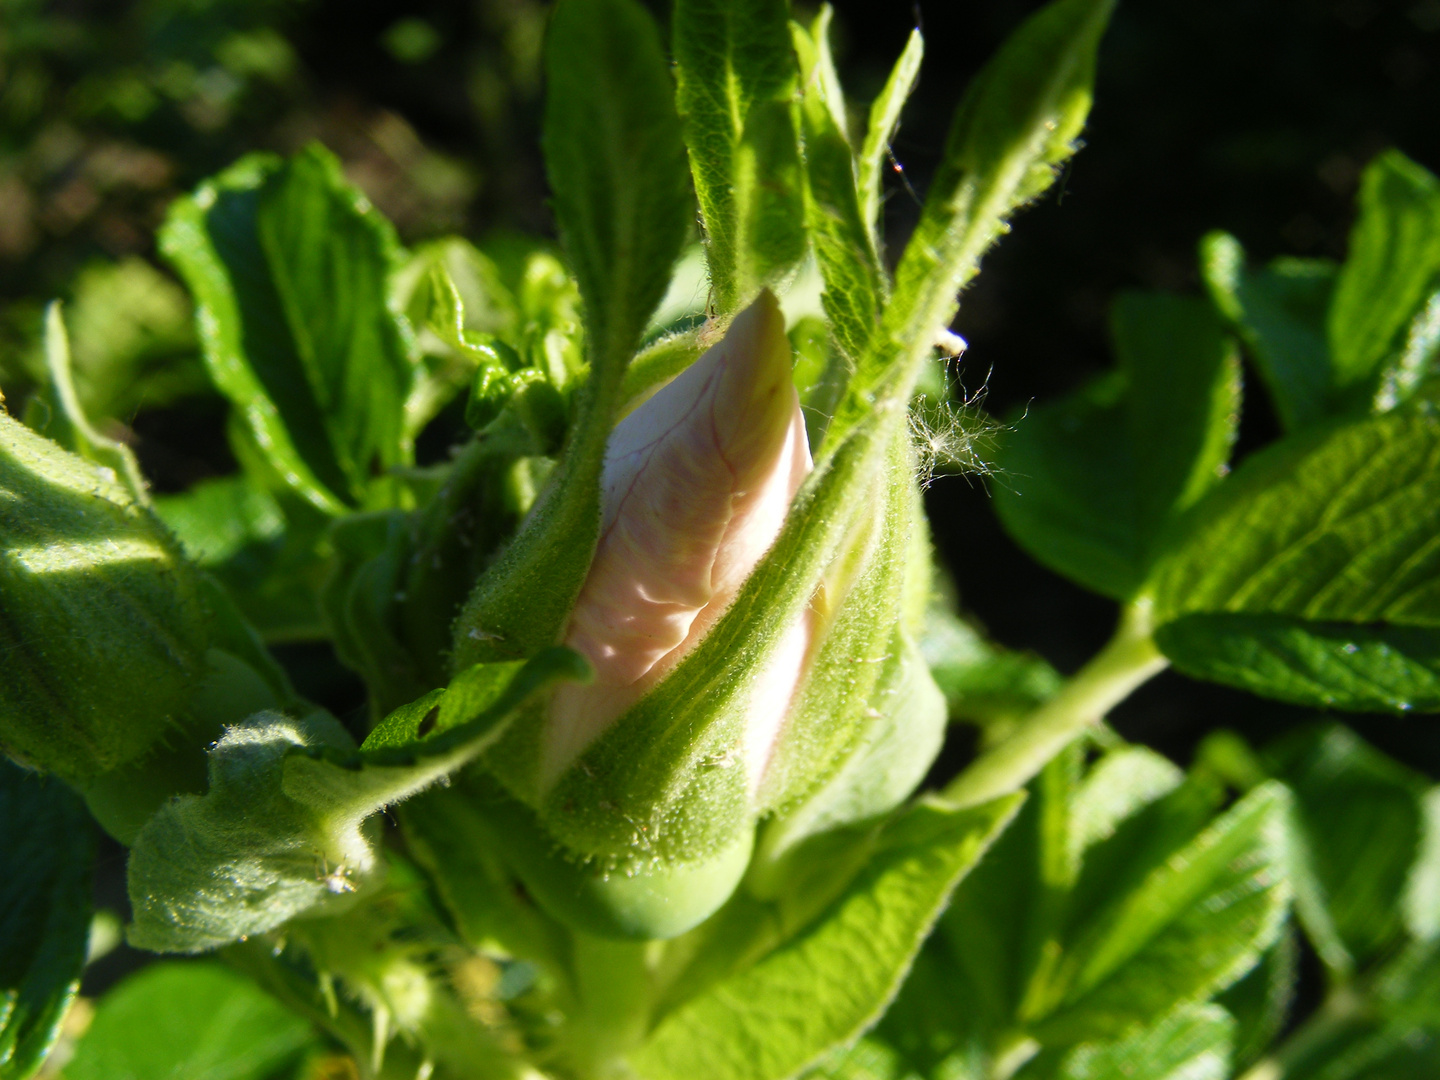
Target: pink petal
(697,483)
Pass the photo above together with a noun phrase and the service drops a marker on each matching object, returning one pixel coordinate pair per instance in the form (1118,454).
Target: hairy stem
(1128,660)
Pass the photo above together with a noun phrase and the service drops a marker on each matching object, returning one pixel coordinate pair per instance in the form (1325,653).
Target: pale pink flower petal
(697,482)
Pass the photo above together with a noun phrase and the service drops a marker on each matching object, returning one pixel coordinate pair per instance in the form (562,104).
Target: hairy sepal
(869,719)
(283,829)
(1018,122)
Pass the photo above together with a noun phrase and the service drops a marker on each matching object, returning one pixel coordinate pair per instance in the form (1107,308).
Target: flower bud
(697,483)
(101,623)
(747,618)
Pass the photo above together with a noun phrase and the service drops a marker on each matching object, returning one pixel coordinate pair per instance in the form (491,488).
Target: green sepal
(282,829)
(644,903)
(1016,124)
(122,800)
(884,119)
(868,720)
(843,241)
(103,628)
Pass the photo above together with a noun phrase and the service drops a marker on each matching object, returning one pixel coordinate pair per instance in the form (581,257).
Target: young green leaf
(133,340)
(608,108)
(826,986)
(198,1020)
(1113,900)
(1262,1000)
(1279,312)
(1393,264)
(1092,481)
(736,72)
(45,882)
(291,268)
(1311,575)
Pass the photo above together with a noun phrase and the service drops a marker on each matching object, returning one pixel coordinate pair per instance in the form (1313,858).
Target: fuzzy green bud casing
(101,623)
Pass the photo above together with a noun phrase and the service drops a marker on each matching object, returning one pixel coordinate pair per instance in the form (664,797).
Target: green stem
(1128,660)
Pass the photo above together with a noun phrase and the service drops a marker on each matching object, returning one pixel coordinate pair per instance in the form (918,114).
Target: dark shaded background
(1255,116)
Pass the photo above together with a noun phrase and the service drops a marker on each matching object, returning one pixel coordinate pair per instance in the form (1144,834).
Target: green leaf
(1361,819)
(1194,925)
(1311,575)
(1192,1043)
(1261,1001)
(45,882)
(1016,124)
(102,625)
(843,239)
(291,271)
(1393,264)
(237,530)
(1279,312)
(737,75)
(1330,665)
(1391,1037)
(1118,786)
(71,428)
(281,830)
(883,123)
(1422,891)
(1065,488)
(201,1021)
(826,986)
(982,682)
(1183,386)
(1090,483)
(133,341)
(218,519)
(615,160)
(457,845)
